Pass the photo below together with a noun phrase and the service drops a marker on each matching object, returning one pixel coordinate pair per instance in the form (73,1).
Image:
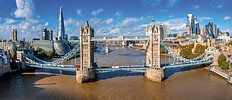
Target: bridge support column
(85,76)
(87,71)
(154,72)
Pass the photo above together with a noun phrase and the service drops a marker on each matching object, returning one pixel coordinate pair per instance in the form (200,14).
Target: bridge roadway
(120,38)
(191,64)
(133,68)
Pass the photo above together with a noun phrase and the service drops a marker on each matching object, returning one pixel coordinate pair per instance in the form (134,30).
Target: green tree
(186,51)
(41,54)
(224,65)
(51,54)
(38,49)
(221,59)
(205,40)
(230,43)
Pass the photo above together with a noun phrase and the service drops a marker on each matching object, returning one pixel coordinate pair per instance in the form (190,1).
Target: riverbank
(222,73)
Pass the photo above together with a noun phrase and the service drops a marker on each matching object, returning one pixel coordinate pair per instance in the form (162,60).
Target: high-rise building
(211,30)
(61,31)
(74,38)
(164,30)
(14,35)
(202,32)
(47,34)
(192,26)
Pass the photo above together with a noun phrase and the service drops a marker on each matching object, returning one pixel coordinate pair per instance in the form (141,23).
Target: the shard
(61,30)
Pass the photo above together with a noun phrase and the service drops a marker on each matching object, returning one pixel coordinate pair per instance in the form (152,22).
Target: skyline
(108,17)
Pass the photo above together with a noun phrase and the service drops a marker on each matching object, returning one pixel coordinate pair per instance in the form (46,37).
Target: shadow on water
(56,71)
(108,75)
(22,85)
(170,71)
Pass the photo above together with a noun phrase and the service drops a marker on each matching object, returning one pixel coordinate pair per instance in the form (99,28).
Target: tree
(222,62)
(205,40)
(186,51)
(41,54)
(221,58)
(230,43)
(224,65)
(51,54)
(38,49)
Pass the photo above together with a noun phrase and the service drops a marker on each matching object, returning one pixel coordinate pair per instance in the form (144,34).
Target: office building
(61,30)
(211,30)
(14,35)
(192,26)
(164,30)
(47,34)
(74,38)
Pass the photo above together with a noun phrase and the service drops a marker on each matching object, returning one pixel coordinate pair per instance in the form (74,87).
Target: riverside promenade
(222,73)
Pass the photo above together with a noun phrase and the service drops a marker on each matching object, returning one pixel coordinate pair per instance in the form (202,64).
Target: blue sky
(109,17)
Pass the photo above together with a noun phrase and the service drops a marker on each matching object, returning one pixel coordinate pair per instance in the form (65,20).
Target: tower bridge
(153,69)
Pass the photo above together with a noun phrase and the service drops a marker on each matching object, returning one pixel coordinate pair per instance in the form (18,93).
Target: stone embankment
(221,73)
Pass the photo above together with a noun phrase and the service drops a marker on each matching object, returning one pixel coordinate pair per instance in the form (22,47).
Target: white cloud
(150,2)
(110,20)
(77,24)
(129,22)
(97,12)
(163,10)
(171,16)
(195,7)
(204,18)
(95,21)
(176,25)
(69,22)
(46,24)
(226,18)
(79,12)
(25,29)
(155,3)
(10,21)
(172,2)
(118,13)
(25,9)
(219,6)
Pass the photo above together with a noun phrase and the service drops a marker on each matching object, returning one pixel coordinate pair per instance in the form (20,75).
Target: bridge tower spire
(87,66)
(154,72)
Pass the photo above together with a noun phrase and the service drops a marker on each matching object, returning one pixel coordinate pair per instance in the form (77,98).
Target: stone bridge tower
(153,51)
(87,67)
(86,47)
(154,72)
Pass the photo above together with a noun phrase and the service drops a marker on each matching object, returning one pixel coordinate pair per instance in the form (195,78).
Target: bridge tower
(87,67)
(154,72)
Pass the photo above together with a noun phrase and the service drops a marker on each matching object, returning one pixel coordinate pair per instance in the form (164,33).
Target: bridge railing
(58,61)
(120,38)
(180,57)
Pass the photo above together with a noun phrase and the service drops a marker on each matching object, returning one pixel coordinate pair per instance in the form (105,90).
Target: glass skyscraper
(61,31)
(211,30)
(192,26)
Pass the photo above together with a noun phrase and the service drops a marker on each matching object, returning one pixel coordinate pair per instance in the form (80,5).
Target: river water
(192,83)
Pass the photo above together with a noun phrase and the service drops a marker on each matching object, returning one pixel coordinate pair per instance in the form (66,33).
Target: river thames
(192,83)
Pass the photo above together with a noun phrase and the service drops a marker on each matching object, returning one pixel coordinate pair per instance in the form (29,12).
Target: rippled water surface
(193,83)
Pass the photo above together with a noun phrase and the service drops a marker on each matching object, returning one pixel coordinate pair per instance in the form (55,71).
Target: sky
(109,17)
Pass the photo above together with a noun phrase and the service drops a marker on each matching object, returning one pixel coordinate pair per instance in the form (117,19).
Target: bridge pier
(154,72)
(86,72)
(85,76)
